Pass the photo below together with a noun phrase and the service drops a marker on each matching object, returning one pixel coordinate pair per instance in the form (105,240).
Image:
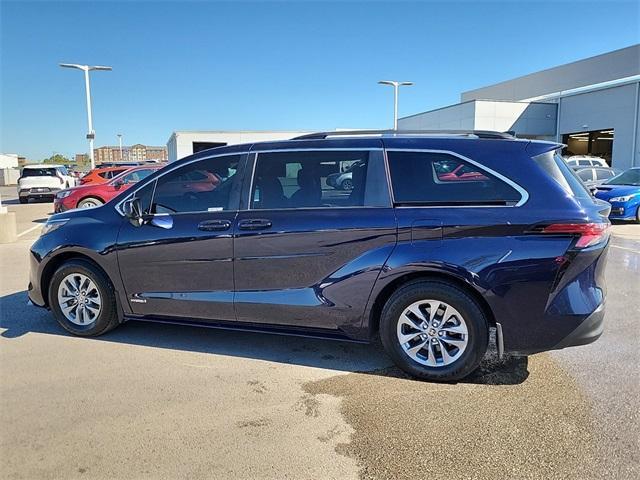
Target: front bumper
(623,211)
(59,206)
(587,332)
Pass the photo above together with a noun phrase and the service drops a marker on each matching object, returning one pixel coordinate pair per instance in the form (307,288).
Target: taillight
(589,233)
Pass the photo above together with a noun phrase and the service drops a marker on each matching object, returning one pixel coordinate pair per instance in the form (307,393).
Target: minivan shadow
(17,320)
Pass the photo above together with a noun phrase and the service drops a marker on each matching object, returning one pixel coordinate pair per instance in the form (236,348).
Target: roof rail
(396,133)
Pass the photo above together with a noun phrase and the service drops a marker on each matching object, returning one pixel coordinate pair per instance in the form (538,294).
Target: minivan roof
(411,133)
(365,137)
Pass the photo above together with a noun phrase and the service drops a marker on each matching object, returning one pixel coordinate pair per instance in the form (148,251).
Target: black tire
(474,317)
(83,203)
(24,199)
(106,320)
(638,215)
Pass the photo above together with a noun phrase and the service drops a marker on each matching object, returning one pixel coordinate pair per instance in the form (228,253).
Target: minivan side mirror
(132,209)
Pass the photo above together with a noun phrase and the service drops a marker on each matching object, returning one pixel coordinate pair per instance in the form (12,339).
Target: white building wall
(525,118)
(530,119)
(615,107)
(621,63)
(455,117)
(8,160)
(180,144)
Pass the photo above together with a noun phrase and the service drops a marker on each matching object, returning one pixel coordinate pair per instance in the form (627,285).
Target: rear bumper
(587,332)
(34,193)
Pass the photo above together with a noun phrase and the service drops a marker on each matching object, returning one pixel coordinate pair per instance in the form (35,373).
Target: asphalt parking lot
(161,401)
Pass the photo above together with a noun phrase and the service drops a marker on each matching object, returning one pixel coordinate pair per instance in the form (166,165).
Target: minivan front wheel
(82,299)
(434,331)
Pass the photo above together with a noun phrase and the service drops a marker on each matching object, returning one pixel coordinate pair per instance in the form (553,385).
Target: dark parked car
(429,265)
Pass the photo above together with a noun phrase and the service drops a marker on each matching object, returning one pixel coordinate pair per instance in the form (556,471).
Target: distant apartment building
(133,153)
(81,158)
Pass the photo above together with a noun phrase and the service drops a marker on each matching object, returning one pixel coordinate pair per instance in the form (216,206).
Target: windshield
(630,177)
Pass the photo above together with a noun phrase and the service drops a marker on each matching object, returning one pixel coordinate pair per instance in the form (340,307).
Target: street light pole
(91,135)
(395,86)
(120,143)
(86,69)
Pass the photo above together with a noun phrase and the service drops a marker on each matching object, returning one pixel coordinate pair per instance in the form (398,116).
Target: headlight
(624,198)
(63,193)
(53,225)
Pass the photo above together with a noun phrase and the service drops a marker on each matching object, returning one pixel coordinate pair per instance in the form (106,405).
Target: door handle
(214,225)
(254,224)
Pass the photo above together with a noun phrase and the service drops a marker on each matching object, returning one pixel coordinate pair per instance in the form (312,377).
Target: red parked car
(94,195)
(102,175)
(448,171)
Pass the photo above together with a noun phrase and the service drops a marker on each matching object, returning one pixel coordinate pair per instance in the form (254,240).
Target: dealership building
(181,144)
(592,106)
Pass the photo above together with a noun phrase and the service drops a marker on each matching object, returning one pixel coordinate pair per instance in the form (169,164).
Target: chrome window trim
(319,149)
(127,197)
(524,195)
(278,150)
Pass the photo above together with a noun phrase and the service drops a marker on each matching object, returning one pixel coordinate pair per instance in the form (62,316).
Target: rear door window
(311,179)
(431,178)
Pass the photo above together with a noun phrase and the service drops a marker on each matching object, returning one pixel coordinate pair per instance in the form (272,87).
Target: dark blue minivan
(438,238)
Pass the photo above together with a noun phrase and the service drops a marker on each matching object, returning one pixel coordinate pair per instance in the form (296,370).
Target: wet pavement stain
(511,419)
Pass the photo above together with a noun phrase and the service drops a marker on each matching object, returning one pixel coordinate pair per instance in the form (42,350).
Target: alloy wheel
(432,333)
(79,299)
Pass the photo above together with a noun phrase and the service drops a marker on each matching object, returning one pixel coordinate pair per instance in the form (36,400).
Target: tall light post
(395,85)
(120,143)
(86,69)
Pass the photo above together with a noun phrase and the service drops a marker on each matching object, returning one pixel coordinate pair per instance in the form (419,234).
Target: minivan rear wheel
(434,331)
(82,299)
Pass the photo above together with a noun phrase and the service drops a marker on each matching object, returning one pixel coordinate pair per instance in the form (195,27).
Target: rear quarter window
(558,170)
(433,178)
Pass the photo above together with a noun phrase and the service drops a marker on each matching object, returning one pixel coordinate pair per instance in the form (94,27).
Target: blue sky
(268,65)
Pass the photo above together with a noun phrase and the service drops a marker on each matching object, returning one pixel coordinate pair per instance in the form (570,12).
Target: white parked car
(579,161)
(43,181)
(594,176)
